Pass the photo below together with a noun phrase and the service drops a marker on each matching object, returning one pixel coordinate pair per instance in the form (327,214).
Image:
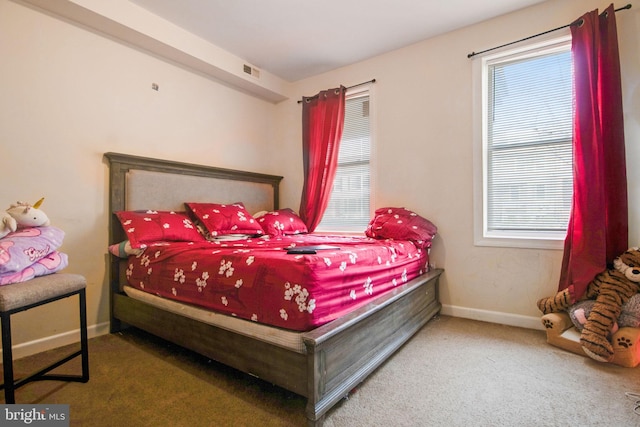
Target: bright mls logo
(34,415)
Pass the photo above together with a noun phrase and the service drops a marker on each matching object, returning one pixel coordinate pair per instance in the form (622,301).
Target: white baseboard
(509,319)
(55,341)
(70,337)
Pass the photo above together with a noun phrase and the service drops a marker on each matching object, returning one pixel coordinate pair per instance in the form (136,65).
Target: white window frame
(357,91)
(482,236)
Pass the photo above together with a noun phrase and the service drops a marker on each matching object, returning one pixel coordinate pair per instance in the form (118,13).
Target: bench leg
(7,359)
(10,385)
(84,340)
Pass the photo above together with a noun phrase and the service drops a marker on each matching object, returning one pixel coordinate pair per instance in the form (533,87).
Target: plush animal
(629,315)
(7,224)
(25,215)
(610,290)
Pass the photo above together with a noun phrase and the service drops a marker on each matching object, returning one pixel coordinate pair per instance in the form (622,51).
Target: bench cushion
(18,295)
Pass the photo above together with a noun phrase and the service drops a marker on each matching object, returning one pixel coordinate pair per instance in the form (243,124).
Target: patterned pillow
(22,248)
(144,227)
(281,222)
(220,219)
(124,249)
(401,224)
(53,262)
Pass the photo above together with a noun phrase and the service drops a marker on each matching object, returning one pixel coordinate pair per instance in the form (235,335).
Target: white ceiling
(295,39)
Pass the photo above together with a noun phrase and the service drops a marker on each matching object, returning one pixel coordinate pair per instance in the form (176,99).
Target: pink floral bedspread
(257,279)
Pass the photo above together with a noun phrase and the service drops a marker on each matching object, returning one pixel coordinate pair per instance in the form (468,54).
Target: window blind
(348,208)
(529,179)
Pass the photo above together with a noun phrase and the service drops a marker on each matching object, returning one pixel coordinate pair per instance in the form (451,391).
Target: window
(526,158)
(349,208)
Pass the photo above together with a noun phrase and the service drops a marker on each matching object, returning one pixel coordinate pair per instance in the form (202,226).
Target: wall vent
(252,71)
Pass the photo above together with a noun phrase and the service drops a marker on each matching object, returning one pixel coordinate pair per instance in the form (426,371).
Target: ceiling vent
(252,71)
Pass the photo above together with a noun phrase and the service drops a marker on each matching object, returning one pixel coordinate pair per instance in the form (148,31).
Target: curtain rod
(472,54)
(349,87)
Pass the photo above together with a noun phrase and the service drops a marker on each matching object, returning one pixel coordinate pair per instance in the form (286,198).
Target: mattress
(295,283)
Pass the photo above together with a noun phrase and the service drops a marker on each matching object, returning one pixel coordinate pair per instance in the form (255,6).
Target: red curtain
(322,124)
(598,226)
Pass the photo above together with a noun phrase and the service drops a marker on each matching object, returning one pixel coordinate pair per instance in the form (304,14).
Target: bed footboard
(343,353)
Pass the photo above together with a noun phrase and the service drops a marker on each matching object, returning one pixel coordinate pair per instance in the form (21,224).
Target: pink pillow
(143,227)
(401,224)
(281,222)
(26,246)
(220,219)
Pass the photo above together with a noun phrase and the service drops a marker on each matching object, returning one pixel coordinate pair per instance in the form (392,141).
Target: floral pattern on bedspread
(256,279)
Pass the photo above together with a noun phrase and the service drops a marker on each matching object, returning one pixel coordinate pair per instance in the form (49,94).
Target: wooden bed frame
(339,355)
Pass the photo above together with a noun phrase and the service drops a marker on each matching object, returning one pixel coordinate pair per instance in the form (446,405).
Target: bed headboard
(137,183)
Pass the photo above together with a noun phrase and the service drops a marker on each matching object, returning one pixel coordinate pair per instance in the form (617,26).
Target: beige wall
(424,149)
(67,95)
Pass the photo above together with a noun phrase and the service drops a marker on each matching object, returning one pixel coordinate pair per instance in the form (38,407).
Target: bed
(321,361)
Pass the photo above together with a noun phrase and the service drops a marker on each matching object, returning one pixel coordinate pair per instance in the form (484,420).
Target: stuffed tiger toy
(610,289)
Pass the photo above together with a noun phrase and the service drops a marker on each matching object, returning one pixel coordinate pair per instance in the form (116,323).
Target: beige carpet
(454,372)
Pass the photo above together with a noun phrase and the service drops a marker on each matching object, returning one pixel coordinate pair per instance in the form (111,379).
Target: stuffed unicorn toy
(22,215)
(7,224)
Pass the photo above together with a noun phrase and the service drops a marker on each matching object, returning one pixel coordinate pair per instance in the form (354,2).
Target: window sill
(523,243)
